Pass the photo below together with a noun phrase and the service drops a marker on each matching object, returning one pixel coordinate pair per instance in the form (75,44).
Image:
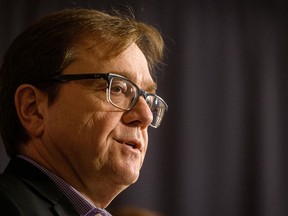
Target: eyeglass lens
(124,94)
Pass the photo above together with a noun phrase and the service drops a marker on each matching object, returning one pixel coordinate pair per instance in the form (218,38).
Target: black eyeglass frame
(63,78)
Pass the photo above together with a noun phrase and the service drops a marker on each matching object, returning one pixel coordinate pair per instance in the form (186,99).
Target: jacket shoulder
(17,198)
(26,191)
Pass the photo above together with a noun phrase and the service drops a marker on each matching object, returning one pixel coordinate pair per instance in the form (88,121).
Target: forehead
(130,63)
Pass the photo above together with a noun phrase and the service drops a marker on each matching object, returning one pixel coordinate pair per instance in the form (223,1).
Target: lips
(135,144)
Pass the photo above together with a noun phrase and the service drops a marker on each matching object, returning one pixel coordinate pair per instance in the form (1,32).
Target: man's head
(92,131)
(49,46)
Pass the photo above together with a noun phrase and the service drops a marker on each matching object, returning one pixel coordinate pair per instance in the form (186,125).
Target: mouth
(131,143)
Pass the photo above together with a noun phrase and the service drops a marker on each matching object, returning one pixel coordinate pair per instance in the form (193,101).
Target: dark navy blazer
(26,191)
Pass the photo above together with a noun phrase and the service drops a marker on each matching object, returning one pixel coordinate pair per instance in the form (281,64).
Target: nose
(139,115)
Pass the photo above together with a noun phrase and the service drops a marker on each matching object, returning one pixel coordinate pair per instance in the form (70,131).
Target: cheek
(74,116)
(81,138)
(81,124)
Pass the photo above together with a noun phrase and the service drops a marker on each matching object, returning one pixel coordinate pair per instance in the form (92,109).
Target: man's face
(89,137)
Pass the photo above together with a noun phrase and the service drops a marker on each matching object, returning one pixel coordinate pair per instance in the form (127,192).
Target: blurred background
(222,148)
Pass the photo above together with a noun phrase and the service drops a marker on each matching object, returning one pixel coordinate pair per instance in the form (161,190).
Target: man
(77,98)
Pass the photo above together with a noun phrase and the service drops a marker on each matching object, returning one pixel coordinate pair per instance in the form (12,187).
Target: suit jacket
(26,191)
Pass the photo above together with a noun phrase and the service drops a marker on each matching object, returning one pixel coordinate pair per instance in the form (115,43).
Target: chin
(126,173)
(129,178)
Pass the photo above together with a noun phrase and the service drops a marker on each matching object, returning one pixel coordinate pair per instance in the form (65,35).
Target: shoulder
(19,198)
(11,185)
(13,194)
(26,191)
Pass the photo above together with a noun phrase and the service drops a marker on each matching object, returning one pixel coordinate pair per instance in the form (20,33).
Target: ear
(30,103)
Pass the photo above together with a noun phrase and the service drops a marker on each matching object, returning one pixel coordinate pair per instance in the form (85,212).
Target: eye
(152,103)
(119,87)
(149,101)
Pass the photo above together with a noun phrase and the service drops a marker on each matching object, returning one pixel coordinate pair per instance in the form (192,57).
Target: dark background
(222,148)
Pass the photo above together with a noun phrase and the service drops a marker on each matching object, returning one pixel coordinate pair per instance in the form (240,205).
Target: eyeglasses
(122,93)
